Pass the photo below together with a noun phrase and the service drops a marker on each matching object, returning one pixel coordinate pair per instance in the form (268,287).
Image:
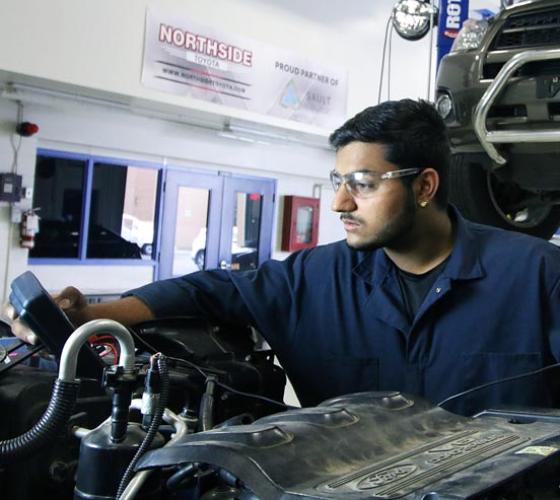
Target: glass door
(214,221)
(190,230)
(248,211)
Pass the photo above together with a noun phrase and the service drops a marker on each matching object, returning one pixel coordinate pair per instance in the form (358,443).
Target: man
(416,299)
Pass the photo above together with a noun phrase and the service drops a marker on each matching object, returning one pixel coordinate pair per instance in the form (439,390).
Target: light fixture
(29,94)
(444,105)
(221,125)
(228,133)
(413,19)
(266,135)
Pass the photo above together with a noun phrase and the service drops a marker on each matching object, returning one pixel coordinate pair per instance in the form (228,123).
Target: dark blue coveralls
(336,320)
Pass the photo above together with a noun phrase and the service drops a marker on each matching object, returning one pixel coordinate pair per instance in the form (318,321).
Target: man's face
(383,219)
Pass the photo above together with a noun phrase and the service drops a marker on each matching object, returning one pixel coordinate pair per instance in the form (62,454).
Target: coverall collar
(464,261)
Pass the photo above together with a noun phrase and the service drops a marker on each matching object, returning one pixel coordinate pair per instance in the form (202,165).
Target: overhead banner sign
(452,15)
(184,58)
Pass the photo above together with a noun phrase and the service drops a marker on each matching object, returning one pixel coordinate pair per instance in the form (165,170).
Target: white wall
(13,259)
(115,133)
(98,44)
(94,48)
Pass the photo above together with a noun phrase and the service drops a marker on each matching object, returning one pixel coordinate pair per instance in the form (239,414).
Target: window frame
(87,187)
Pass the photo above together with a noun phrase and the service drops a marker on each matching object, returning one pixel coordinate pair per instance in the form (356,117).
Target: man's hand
(127,311)
(70,300)
(74,304)
(18,327)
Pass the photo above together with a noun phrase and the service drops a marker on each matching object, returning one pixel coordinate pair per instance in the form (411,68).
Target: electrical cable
(19,119)
(221,384)
(256,396)
(154,425)
(217,342)
(7,276)
(10,226)
(495,382)
(231,389)
(16,152)
(389,57)
(387,26)
(31,350)
(146,344)
(279,403)
(108,343)
(431,49)
(110,349)
(190,364)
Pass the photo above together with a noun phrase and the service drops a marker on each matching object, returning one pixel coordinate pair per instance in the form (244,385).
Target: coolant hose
(56,415)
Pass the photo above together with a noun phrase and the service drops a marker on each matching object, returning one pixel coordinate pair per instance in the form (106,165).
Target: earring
(423,204)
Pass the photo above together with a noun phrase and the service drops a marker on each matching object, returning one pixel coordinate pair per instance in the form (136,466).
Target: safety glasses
(363,184)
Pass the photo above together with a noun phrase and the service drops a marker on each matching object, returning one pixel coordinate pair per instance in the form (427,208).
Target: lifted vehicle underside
(499,93)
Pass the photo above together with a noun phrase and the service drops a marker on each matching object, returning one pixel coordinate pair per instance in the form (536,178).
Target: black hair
(412,132)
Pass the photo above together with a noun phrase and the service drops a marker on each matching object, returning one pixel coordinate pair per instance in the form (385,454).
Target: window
(58,196)
(94,208)
(245,231)
(122,212)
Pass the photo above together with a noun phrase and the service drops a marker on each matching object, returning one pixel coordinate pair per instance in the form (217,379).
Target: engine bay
(181,408)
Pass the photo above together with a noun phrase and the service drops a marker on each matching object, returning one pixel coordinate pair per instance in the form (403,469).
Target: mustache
(349,217)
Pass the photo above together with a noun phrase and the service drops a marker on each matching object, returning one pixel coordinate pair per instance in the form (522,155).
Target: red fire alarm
(300,227)
(27,129)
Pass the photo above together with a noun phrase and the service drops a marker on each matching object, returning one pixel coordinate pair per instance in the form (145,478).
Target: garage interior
(143,141)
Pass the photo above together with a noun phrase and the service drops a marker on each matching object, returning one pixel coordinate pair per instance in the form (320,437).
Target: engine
(184,409)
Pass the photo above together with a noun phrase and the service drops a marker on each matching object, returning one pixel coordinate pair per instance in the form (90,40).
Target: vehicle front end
(499,94)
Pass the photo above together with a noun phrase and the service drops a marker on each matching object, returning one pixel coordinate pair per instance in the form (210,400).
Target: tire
(481,197)
(199,259)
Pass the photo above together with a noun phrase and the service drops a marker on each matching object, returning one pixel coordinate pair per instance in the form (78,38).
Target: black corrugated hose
(154,425)
(54,419)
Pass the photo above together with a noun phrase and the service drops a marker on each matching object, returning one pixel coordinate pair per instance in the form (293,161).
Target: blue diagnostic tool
(37,309)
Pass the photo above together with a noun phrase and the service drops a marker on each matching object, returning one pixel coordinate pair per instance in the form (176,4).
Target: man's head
(393,161)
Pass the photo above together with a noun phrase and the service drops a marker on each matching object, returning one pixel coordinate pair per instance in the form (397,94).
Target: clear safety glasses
(363,184)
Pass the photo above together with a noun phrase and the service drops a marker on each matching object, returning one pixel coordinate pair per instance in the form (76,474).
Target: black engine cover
(372,445)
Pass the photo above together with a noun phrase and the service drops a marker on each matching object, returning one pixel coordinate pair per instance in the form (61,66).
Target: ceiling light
(412,19)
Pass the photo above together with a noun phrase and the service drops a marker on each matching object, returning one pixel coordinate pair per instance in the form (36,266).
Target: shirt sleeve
(554,320)
(263,298)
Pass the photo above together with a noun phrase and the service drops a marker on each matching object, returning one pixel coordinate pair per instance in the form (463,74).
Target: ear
(427,184)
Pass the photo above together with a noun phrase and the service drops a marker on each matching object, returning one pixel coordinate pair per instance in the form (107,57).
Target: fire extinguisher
(29,228)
